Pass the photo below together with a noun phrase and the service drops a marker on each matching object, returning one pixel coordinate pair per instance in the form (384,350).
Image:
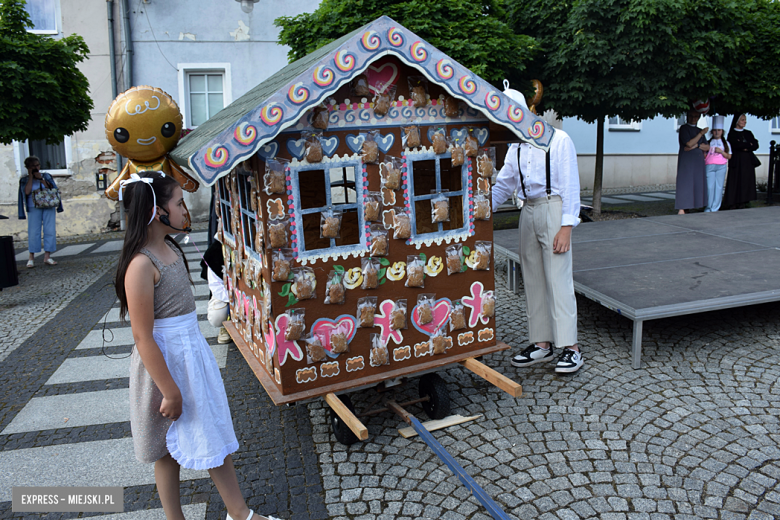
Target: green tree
(43,95)
(473,32)
(640,58)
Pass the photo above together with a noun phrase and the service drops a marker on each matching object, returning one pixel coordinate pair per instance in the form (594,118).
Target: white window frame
(57,21)
(774,125)
(705,121)
(185,69)
(622,126)
(22,151)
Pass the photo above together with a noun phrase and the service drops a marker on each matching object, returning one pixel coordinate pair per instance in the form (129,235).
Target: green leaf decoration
(285,289)
(291,300)
(383,280)
(466,251)
(382,272)
(384,261)
(338,268)
(464,268)
(424,258)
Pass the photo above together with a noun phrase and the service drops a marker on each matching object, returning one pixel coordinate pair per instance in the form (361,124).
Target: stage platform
(657,267)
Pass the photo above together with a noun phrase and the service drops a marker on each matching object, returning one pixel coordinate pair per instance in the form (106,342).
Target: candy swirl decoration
(419,53)
(216,157)
(245,134)
(492,101)
(298,93)
(344,61)
(444,68)
(370,40)
(271,114)
(536,130)
(322,76)
(395,37)
(515,114)
(467,85)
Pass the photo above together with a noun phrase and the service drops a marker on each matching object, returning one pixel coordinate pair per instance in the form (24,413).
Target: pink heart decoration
(441,313)
(382,72)
(286,348)
(324,327)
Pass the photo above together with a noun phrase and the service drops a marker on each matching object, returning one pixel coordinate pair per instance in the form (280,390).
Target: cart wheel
(340,429)
(433,386)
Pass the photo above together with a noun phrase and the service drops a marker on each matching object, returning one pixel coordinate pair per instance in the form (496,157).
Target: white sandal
(251,514)
(30,264)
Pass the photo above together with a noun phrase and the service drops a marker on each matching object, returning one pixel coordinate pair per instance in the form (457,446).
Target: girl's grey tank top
(172,294)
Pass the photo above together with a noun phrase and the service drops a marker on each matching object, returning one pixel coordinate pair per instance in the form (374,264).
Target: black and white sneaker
(531,356)
(569,362)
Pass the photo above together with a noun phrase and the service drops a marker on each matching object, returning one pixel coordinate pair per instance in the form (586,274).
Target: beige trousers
(547,277)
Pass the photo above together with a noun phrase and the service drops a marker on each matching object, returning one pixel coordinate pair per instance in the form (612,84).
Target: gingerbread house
(353,190)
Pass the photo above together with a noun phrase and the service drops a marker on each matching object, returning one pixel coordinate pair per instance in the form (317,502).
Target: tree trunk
(599,173)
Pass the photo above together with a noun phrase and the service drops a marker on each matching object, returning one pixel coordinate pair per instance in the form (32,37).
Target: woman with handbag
(741,181)
(39,195)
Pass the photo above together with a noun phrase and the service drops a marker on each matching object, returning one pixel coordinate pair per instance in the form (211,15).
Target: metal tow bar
(480,494)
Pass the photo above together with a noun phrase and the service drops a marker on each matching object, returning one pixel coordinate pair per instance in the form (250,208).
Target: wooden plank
(493,377)
(347,416)
(438,424)
(278,398)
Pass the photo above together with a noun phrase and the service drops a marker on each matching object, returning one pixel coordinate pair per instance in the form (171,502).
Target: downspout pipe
(111,52)
(124,6)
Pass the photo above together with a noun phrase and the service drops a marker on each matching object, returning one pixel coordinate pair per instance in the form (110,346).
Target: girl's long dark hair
(139,203)
(723,139)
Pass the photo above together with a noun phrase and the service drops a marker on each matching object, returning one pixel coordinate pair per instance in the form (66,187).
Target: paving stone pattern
(691,435)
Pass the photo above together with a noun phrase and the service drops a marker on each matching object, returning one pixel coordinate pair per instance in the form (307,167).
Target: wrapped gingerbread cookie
(482,208)
(339,339)
(314,349)
(370,267)
(257,326)
(313,153)
(451,107)
(440,208)
(439,141)
(378,355)
(296,324)
(366,310)
(334,288)
(411,137)
(372,210)
(483,251)
(458,316)
(486,162)
(360,86)
(379,242)
(418,90)
(369,150)
(330,224)
(454,258)
(278,234)
(383,99)
(439,342)
(488,305)
(390,172)
(305,283)
(425,303)
(258,235)
(415,271)
(274,178)
(398,315)
(402,224)
(457,154)
(281,264)
(319,117)
(471,144)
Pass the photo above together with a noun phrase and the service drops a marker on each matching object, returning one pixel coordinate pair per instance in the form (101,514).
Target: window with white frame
(774,125)
(204,90)
(430,176)
(328,189)
(44,15)
(223,192)
(54,158)
(248,216)
(617,123)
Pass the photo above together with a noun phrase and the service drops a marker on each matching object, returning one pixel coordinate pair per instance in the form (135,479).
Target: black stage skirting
(658,267)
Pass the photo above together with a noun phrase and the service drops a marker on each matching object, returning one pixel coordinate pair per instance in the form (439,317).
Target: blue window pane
(43,14)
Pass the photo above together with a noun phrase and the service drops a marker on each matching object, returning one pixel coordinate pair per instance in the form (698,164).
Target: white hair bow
(134,177)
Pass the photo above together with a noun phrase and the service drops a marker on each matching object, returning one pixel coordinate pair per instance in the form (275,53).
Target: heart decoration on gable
(296,147)
(355,142)
(381,74)
(441,313)
(329,145)
(482,135)
(269,150)
(324,327)
(385,142)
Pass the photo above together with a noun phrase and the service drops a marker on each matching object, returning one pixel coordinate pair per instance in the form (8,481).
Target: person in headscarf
(741,180)
(691,175)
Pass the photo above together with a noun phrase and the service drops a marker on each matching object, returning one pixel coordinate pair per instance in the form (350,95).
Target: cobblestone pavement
(693,434)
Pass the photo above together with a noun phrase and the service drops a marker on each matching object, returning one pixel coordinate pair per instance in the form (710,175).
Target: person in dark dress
(691,173)
(741,180)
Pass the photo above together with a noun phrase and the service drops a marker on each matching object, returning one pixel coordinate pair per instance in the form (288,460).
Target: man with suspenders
(550,186)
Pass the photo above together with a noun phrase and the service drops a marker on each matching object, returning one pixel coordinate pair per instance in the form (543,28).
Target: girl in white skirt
(179,414)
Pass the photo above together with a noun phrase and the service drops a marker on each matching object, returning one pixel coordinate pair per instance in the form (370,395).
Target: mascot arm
(112,192)
(177,172)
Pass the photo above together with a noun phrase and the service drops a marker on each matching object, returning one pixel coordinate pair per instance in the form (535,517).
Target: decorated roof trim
(382,37)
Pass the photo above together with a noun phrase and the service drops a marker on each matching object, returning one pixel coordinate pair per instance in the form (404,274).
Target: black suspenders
(546,167)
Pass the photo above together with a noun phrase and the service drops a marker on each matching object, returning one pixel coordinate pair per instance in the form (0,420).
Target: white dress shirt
(564,176)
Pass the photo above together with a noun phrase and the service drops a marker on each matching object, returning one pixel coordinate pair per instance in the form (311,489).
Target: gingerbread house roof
(251,122)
